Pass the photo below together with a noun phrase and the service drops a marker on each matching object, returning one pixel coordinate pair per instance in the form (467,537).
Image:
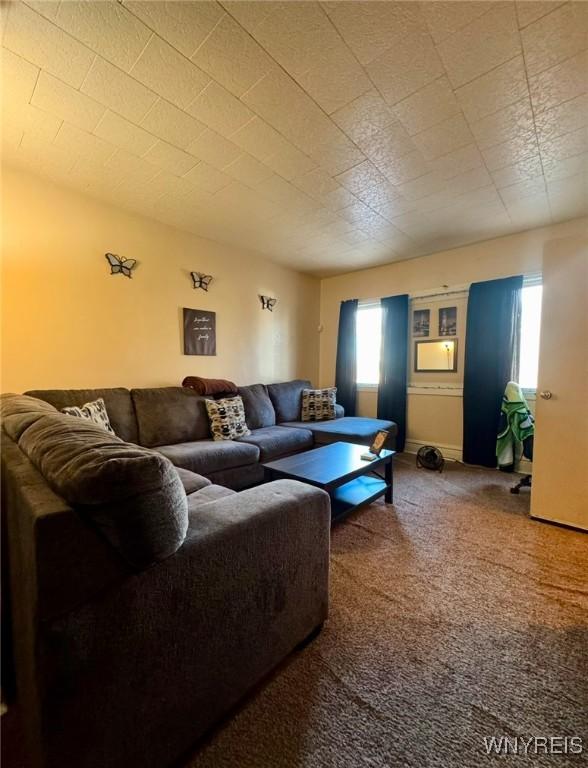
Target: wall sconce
(120,266)
(268,303)
(200,280)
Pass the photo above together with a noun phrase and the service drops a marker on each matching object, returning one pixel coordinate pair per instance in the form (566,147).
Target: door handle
(546,394)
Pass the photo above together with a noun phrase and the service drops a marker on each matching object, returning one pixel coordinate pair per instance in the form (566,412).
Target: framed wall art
(199,332)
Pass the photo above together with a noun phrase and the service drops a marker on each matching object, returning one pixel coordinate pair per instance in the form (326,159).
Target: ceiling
(328,136)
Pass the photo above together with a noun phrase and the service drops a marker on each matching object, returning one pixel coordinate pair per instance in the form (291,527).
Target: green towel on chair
(516,425)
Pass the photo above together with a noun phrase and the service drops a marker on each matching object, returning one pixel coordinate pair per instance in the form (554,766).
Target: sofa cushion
(18,412)
(132,495)
(349,429)
(119,406)
(191,481)
(287,399)
(259,411)
(279,441)
(168,415)
(227,418)
(205,456)
(205,495)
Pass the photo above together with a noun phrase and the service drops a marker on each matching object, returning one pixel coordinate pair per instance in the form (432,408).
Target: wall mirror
(435,356)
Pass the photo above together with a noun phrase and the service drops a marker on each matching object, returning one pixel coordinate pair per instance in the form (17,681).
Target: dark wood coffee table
(339,469)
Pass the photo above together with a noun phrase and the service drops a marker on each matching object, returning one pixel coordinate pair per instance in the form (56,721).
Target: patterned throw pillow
(318,404)
(94,412)
(227,418)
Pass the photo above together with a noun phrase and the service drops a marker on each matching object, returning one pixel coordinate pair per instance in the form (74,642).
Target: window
(530,327)
(368,325)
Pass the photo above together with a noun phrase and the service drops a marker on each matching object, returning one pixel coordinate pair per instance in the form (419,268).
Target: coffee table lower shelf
(362,490)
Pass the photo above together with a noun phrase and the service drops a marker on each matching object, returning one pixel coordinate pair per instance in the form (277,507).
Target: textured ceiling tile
(527,188)
(412,63)
(316,183)
(370,29)
(445,18)
(124,134)
(170,158)
(509,153)
(482,45)
(511,174)
(562,169)
(26,118)
(232,57)
(54,96)
(214,149)
(505,85)
(364,116)
(171,124)
(47,158)
(249,13)
(290,162)
(114,88)
(529,12)
(165,71)
(400,169)
(18,78)
(444,138)
(561,83)
(568,145)
(106,27)
(42,43)
(125,165)
(207,178)
(379,196)
(361,177)
(336,80)
(431,105)
(391,142)
(336,156)
(220,110)
(47,8)
(462,160)
(83,144)
(563,118)
(568,198)
(338,198)
(530,211)
(94,177)
(183,24)
(259,139)
(469,181)
(423,186)
(505,125)
(248,170)
(555,37)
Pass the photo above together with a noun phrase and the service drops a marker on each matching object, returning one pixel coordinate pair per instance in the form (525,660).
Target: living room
(294,345)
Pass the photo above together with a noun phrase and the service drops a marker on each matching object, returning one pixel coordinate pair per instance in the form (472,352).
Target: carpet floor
(453,617)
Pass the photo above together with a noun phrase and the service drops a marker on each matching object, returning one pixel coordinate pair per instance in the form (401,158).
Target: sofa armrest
(339,411)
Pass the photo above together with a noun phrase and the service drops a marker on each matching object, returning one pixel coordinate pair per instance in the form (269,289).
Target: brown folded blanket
(210,386)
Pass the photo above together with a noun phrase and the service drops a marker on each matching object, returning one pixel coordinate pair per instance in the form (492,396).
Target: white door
(560,461)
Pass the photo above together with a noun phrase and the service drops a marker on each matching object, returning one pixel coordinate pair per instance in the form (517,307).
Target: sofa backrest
(259,409)
(132,495)
(286,397)
(117,400)
(170,415)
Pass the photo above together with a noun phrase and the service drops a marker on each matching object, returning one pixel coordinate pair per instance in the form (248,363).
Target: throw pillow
(95,412)
(227,418)
(318,404)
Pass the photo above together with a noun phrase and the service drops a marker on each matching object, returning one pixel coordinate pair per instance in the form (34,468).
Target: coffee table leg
(388,479)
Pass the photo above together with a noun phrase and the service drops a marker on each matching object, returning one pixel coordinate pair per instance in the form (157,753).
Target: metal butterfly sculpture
(120,266)
(268,303)
(201,281)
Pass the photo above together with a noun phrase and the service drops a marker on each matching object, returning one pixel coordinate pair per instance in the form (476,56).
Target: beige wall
(432,418)
(67,323)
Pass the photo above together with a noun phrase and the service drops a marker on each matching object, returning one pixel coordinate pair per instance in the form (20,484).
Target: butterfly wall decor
(120,266)
(267,302)
(200,280)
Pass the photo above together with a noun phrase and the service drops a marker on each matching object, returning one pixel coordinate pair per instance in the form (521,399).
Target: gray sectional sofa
(174,421)
(145,596)
(144,600)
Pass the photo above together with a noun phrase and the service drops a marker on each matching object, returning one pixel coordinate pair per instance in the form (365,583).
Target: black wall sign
(199,332)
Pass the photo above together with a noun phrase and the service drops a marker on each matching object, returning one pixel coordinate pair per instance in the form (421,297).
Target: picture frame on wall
(421,322)
(199,332)
(448,321)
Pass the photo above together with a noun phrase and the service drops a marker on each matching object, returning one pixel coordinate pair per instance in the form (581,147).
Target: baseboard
(450,452)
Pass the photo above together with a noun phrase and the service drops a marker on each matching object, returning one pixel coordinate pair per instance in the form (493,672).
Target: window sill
(367,387)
